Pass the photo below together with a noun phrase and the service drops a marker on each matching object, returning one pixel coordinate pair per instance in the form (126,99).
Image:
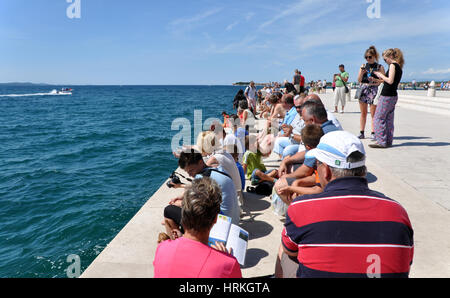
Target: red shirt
(186,258)
(347,231)
(302,81)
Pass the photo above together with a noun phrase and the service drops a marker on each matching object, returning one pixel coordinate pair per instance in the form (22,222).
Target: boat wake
(52,93)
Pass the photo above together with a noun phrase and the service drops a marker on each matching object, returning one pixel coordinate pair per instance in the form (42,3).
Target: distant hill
(248,83)
(24,84)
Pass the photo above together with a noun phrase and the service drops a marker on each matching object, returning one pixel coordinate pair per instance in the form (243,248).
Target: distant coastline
(24,84)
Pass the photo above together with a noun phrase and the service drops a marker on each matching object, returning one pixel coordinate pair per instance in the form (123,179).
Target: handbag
(345,85)
(358,93)
(377,97)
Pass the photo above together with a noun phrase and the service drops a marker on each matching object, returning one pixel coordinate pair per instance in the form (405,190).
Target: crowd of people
(334,223)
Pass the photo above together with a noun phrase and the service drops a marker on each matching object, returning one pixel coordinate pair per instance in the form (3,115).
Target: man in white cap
(347,230)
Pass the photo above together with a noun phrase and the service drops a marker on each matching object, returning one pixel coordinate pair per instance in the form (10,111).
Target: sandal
(251,189)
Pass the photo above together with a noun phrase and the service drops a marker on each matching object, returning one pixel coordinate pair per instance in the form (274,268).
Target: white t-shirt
(226,161)
(231,140)
(251,92)
(297,124)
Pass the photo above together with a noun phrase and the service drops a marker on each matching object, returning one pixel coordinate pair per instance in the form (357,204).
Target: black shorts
(302,89)
(174,213)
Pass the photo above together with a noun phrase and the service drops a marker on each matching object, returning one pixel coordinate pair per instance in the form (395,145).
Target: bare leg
(266,177)
(373,109)
(171,228)
(362,122)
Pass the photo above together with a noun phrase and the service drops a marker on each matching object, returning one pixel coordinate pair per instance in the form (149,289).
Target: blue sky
(215,42)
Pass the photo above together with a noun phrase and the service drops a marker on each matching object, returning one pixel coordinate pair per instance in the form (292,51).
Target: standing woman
(384,116)
(369,87)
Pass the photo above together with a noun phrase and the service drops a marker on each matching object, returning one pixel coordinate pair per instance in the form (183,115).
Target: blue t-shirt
(241,173)
(229,205)
(290,116)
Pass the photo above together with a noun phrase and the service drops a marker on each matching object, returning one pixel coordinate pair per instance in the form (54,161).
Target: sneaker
(361,136)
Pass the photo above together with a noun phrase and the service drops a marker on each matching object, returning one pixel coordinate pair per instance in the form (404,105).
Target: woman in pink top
(190,256)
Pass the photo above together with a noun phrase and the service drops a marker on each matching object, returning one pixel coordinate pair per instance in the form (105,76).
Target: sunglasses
(368,57)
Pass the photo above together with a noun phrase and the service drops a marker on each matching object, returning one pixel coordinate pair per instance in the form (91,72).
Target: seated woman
(245,114)
(270,103)
(190,256)
(209,145)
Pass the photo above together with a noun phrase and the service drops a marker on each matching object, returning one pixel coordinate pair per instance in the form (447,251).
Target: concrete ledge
(429,220)
(131,252)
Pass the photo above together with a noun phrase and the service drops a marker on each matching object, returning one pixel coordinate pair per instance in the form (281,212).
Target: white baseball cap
(335,147)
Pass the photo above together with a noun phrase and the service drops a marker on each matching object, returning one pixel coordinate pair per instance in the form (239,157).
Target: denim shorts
(255,179)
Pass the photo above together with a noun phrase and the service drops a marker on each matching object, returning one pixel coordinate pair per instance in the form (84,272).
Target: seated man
(312,113)
(294,147)
(315,97)
(192,162)
(292,132)
(347,230)
(190,256)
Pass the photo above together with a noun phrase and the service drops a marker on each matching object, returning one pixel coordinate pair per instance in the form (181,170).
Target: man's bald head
(313,97)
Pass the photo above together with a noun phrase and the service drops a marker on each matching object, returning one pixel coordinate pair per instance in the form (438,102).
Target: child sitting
(254,167)
(288,188)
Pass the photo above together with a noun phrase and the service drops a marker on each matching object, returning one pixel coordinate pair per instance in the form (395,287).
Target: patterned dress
(368,94)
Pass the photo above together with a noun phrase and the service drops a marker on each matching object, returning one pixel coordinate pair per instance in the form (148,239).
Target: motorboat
(63,91)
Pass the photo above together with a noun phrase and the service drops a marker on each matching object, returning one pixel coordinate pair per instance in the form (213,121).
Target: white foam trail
(53,92)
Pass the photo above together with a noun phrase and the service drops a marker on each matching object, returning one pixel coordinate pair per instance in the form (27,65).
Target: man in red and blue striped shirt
(348,230)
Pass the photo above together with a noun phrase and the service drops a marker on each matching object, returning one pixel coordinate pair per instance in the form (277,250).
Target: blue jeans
(280,144)
(290,150)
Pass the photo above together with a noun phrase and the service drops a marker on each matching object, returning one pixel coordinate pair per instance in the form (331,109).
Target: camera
(174,179)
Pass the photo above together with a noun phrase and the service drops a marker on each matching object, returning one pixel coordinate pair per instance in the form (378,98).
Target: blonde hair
(207,143)
(395,54)
(372,51)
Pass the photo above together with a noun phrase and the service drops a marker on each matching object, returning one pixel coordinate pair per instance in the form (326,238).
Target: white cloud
(186,24)
(433,71)
(231,26)
(388,27)
(304,8)
(249,16)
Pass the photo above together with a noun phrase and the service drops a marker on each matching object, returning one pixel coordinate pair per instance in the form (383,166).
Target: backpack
(263,188)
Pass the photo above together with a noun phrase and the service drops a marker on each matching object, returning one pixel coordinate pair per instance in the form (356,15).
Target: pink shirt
(186,258)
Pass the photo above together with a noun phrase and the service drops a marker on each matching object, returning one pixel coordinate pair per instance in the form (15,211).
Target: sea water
(74,169)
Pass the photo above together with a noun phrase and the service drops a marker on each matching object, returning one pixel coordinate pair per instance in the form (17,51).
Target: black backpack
(264,188)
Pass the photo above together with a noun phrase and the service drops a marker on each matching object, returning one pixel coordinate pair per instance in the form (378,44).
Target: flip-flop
(251,189)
